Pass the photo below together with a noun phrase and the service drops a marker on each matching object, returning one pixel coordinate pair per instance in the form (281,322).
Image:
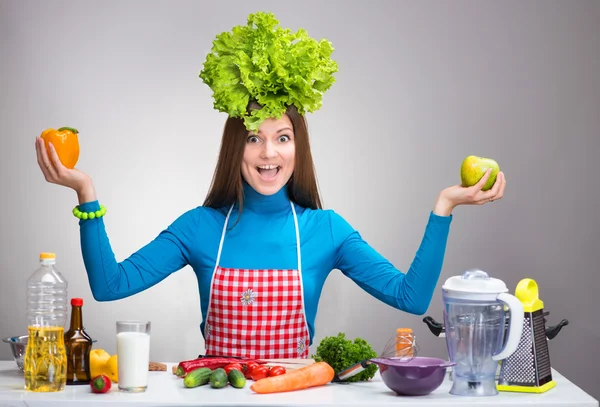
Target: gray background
(421,86)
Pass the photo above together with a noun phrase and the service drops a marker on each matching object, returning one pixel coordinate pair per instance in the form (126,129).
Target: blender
(474,320)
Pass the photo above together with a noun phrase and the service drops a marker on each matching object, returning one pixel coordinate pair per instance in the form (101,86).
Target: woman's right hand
(56,173)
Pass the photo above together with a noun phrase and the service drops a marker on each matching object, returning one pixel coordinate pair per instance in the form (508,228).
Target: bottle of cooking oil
(78,344)
(45,357)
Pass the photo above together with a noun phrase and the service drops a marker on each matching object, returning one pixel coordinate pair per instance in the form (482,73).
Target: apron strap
(300,270)
(223,237)
(297,238)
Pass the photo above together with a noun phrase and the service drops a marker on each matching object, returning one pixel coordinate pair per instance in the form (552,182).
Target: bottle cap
(77,302)
(404,330)
(45,255)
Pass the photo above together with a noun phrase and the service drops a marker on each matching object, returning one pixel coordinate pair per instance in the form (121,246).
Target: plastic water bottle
(45,357)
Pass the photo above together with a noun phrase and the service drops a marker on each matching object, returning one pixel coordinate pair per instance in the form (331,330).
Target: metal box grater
(528,369)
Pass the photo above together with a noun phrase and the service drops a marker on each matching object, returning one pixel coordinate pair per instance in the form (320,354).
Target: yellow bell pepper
(112,368)
(101,362)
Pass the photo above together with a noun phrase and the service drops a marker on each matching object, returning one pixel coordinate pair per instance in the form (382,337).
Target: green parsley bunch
(341,353)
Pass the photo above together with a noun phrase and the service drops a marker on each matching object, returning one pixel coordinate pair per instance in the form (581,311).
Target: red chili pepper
(212,363)
(100,384)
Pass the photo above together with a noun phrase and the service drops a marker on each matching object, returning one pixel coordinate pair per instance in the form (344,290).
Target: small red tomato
(276,371)
(260,372)
(233,366)
(248,369)
(100,384)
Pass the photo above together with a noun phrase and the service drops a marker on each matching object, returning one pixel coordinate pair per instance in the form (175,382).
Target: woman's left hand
(456,195)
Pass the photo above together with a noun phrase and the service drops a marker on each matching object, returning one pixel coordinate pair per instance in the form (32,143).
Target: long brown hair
(227,182)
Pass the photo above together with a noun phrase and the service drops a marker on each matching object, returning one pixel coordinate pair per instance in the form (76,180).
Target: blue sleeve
(411,291)
(110,280)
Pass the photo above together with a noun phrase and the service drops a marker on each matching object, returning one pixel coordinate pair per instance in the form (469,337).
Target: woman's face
(269,156)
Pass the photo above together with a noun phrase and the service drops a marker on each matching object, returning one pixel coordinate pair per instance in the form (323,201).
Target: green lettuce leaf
(262,62)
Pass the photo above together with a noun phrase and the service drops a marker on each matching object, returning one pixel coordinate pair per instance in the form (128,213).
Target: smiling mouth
(268,172)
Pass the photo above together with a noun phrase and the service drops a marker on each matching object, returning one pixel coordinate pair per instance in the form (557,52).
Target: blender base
(462,386)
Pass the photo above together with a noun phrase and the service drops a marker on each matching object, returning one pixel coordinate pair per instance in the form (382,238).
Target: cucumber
(237,379)
(218,378)
(197,377)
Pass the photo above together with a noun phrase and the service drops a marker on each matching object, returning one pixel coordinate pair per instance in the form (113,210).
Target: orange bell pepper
(66,143)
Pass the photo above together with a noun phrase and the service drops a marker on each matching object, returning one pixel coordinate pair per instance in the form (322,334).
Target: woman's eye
(283,139)
(252,139)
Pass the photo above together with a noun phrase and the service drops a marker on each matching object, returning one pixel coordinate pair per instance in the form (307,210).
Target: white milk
(133,349)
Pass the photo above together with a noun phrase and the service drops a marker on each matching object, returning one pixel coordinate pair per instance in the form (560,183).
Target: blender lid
(475,281)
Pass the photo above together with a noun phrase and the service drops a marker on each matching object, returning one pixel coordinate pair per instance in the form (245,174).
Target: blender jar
(474,319)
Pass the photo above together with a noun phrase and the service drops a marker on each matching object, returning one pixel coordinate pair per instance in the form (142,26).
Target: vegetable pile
(342,353)
(220,371)
(275,67)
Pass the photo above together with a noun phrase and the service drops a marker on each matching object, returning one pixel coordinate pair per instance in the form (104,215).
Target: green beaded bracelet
(89,215)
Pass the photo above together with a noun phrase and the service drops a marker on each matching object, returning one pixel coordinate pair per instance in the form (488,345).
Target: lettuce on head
(262,62)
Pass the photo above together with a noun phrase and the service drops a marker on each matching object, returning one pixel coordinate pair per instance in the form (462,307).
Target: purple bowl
(412,377)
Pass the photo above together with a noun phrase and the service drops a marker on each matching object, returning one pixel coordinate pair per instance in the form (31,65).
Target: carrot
(316,374)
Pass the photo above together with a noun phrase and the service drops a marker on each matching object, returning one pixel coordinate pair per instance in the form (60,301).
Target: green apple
(474,167)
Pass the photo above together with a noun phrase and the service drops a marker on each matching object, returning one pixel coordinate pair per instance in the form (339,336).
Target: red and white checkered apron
(257,313)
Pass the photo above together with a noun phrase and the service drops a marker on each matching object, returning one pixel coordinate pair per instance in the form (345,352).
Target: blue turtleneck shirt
(264,238)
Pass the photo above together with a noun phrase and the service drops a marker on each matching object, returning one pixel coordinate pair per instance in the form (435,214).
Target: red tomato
(248,369)
(276,371)
(233,366)
(260,372)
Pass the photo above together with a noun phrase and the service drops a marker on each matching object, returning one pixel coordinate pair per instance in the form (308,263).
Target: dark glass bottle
(78,344)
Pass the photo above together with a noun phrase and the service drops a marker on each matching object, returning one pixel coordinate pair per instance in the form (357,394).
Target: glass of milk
(133,350)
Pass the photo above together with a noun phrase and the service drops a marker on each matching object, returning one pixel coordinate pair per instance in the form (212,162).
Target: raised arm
(411,291)
(111,280)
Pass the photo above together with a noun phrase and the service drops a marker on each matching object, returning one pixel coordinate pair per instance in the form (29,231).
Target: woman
(261,245)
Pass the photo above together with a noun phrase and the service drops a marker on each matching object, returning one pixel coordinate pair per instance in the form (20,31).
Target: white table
(165,389)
